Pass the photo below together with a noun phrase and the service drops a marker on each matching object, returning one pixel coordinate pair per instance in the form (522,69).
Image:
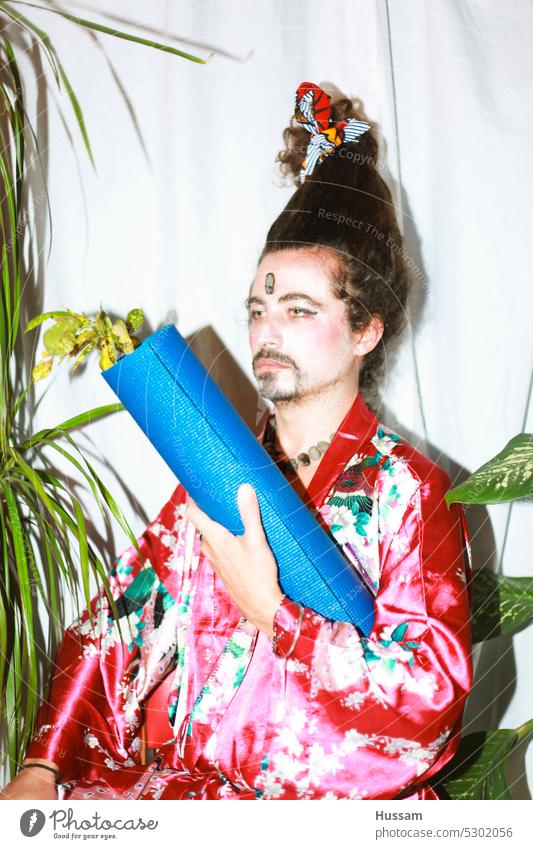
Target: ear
(369,336)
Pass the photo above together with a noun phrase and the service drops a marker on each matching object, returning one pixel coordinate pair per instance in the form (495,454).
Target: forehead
(309,272)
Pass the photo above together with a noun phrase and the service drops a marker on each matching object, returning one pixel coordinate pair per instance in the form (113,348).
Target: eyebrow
(290,296)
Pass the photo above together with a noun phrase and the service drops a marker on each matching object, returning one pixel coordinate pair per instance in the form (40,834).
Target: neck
(305,422)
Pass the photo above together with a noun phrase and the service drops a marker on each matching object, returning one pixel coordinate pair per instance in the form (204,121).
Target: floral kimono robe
(329,715)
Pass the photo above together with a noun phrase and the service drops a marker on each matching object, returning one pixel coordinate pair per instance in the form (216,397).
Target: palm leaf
(55,537)
(22,677)
(70,424)
(53,566)
(83,22)
(35,32)
(97,486)
(5,599)
(59,525)
(17,126)
(99,571)
(83,549)
(11,175)
(11,712)
(74,102)
(57,68)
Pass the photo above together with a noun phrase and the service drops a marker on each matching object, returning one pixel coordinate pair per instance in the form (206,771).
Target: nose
(266,334)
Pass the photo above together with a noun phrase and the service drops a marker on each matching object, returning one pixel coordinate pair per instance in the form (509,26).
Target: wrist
(41,768)
(266,622)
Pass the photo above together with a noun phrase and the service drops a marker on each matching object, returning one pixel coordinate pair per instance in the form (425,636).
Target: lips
(269,364)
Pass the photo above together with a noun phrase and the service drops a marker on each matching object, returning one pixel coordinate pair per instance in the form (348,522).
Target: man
(267,699)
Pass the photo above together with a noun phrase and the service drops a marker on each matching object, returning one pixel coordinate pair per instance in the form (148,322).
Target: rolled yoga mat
(211,450)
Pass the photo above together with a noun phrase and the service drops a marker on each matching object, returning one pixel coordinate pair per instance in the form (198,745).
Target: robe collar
(357,428)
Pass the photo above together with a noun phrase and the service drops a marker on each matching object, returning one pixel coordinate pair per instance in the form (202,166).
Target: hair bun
(296,139)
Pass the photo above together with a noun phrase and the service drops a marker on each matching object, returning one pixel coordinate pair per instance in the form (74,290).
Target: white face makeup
(299,335)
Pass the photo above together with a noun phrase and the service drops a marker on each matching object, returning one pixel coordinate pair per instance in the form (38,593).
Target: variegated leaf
(501,604)
(507,477)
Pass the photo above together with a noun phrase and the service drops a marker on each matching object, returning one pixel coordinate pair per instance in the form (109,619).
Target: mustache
(266,354)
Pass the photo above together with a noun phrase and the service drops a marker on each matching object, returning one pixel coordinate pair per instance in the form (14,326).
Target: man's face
(299,335)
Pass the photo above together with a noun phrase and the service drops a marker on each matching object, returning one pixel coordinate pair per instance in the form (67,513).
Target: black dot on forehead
(269,282)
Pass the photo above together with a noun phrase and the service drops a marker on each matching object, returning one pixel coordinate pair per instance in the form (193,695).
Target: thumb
(250,511)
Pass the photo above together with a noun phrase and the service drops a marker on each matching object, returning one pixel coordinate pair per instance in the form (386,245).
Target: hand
(38,784)
(245,563)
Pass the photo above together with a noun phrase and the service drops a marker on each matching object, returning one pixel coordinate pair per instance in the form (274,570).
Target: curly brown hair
(346,207)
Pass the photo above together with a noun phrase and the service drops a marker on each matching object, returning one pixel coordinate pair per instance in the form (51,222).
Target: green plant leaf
(34,479)
(106,495)
(60,339)
(77,111)
(507,477)
(108,353)
(84,353)
(23,589)
(20,399)
(6,611)
(42,369)
(55,64)
(122,337)
(83,549)
(502,604)
(38,319)
(58,533)
(34,30)
(53,568)
(70,424)
(97,487)
(83,22)
(134,319)
(12,711)
(477,771)
(55,530)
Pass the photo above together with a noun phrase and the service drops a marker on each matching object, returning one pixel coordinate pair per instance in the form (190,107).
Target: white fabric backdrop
(186,188)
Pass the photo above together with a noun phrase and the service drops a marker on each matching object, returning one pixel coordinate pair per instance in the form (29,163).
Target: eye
(253,315)
(302,313)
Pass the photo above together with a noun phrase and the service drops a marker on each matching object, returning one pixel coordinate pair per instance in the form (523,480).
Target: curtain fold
(187,186)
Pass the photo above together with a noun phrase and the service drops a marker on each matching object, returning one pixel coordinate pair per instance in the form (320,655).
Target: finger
(250,512)
(201,521)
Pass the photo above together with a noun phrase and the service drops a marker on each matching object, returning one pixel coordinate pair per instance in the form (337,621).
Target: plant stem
(524,730)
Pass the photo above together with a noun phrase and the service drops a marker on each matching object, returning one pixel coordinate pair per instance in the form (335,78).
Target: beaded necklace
(313,453)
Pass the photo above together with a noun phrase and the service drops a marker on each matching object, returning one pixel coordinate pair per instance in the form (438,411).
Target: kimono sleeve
(382,709)
(93,662)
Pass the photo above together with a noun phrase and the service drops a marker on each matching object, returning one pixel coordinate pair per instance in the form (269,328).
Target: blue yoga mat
(211,450)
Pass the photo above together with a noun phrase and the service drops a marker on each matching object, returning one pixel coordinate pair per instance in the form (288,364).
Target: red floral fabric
(330,714)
